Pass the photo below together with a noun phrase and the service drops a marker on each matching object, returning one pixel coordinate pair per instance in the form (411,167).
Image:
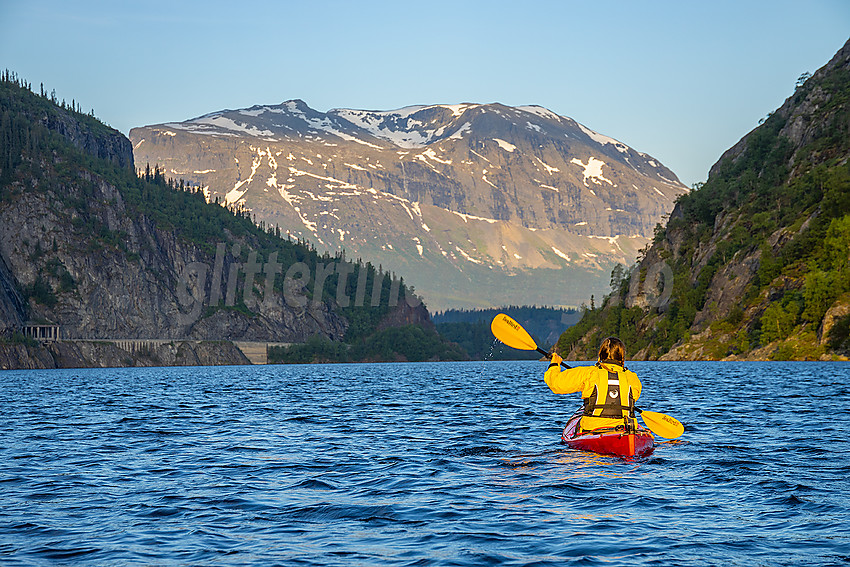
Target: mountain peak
(410,127)
(474,192)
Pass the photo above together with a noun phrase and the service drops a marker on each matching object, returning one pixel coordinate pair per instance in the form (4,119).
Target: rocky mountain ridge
(480,204)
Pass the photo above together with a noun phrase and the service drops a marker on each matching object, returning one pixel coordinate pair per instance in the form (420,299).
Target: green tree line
(791,205)
(411,343)
(470,328)
(36,158)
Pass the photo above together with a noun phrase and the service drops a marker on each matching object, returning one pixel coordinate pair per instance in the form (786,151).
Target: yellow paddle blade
(511,333)
(662,425)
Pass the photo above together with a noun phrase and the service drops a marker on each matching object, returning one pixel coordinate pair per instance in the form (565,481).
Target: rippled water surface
(418,464)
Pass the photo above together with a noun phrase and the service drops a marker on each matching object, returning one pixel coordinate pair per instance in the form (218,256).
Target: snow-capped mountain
(473,204)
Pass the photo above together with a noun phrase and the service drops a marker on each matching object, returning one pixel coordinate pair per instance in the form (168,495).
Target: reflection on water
(568,464)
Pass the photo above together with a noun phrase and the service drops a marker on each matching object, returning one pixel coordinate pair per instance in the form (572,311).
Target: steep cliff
(478,204)
(87,245)
(12,308)
(756,263)
(88,354)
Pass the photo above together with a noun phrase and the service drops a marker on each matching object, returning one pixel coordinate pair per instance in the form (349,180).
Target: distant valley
(475,205)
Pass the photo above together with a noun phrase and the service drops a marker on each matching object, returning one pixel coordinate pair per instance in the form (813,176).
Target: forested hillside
(470,328)
(756,262)
(88,244)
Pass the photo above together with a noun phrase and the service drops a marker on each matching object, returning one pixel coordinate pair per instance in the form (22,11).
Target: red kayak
(608,442)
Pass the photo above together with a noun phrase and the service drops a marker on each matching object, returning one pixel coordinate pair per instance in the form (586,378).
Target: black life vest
(617,400)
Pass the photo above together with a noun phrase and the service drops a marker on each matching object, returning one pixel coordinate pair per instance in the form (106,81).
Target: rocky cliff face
(74,252)
(85,354)
(755,264)
(12,307)
(476,204)
(808,117)
(88,135)
(106,287)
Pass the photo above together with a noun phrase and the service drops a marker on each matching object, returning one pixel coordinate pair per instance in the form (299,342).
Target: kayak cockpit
(608,441)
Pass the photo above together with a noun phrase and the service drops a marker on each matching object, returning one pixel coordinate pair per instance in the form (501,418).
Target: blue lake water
(418,464)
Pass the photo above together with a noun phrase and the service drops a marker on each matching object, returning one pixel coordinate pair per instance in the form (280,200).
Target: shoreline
(93,353)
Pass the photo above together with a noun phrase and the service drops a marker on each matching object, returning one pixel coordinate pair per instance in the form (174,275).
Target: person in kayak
(608,389)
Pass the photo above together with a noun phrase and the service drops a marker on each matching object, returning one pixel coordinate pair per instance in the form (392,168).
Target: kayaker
(608,389)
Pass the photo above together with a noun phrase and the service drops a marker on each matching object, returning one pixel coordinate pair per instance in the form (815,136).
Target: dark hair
(612,348)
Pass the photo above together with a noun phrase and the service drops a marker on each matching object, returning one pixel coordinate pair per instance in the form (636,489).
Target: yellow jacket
(601,407)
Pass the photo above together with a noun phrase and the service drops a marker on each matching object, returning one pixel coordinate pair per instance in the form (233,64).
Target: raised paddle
(512,334)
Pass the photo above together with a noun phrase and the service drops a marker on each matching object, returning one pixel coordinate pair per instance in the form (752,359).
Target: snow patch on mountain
(592,170)
(467,257)
(487,181)
(549,169)
(378,124)
(332,183)
(323,123)
(461,131)
(201,129)
(612,240)
(430,153)
(561,254)
(595,136)
(507,146)
(235,194)
(467,218)
(603,139)
(400,126)
(540,111)
(458,109)
(229,124)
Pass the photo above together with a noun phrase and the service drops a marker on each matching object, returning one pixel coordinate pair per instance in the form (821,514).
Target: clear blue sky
(680,80)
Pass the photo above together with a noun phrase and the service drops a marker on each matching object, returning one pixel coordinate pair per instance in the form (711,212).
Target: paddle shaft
(549,355)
